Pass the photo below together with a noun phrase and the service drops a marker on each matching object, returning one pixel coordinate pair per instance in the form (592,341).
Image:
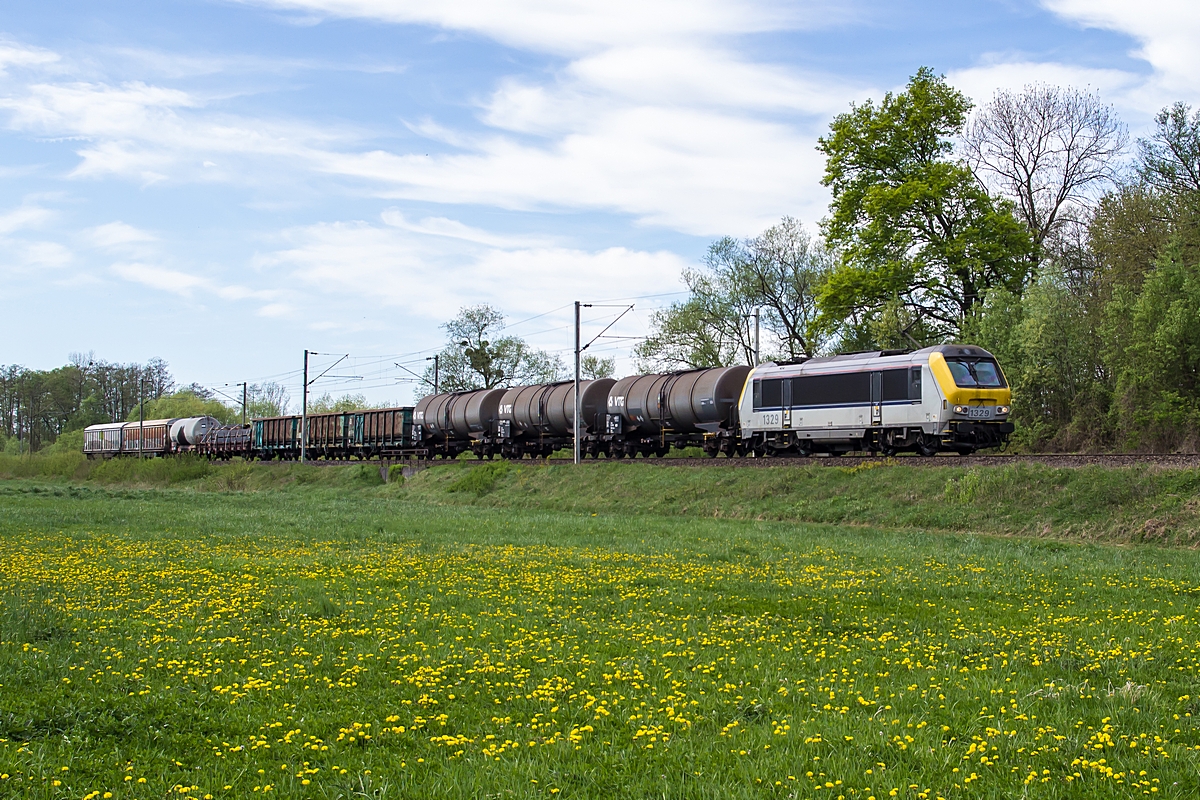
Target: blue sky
(223,184)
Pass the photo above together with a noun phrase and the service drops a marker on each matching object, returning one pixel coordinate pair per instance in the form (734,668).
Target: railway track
(1163,460)
(1168,460)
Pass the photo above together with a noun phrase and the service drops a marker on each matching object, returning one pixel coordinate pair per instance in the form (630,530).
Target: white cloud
(20,255)
(1167,32)
(697,75)
(25,216)
(187,285)
(653,117)
(580,26)
(429,276)
(273,310)
(151,133)
(117,235)
(13,54)
(23,256)
(982,81)
(693,171)
(453,229)
(165,280)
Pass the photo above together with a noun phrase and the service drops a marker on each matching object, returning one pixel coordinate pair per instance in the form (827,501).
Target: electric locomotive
(948,397)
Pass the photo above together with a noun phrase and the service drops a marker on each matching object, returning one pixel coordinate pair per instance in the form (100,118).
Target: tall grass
(1129,504)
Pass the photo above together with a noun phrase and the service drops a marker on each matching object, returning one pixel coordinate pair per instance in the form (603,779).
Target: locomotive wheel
(966,451)
(927,446)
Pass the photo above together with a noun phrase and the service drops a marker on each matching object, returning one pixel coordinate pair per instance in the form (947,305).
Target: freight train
(945,398)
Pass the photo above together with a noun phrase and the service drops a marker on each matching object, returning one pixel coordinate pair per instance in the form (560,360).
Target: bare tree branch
(1049,149)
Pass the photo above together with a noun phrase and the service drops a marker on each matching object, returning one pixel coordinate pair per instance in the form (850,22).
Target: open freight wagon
(339,435)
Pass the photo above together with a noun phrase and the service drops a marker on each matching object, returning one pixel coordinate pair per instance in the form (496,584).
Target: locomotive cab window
(976,373)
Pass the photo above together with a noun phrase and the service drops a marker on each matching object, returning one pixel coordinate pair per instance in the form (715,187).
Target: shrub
(396,474)
(481,479)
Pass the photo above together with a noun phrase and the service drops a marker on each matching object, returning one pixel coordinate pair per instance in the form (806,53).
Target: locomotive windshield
(976,373)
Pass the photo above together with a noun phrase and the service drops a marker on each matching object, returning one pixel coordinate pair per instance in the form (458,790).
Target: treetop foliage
(189,402)
(478,356)
(1170,157)
(915,229)
(1049,150)
(776,274)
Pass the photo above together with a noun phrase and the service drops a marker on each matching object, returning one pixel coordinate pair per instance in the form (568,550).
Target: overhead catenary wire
(378,370)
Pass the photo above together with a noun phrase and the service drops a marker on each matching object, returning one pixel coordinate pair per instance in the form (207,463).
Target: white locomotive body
(951,397)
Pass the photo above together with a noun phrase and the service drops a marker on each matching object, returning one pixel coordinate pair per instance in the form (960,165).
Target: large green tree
(917,231)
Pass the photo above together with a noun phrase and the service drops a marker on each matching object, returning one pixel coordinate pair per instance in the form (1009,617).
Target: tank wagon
(638,415)
(948,397)
(446,425)
(653,413)
(537,420)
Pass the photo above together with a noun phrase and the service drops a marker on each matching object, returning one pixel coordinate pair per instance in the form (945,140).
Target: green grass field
(522,632)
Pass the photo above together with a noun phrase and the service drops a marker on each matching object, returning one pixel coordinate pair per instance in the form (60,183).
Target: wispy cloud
(1166,32)
(668,125)
(24,216)
(574,27)
(429,274)
(14,54)
(117,235)
(188,285)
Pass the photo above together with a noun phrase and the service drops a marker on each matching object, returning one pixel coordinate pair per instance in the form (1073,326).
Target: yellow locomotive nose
(961,397)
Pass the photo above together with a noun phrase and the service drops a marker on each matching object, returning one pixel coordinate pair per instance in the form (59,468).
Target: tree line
(1031,226)
(39,407)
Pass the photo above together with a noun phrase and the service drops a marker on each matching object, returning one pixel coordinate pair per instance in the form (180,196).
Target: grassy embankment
(447,638)
(1133,504)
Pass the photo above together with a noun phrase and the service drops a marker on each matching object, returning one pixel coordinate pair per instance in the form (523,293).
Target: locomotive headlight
(960,409)
(1001,409)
